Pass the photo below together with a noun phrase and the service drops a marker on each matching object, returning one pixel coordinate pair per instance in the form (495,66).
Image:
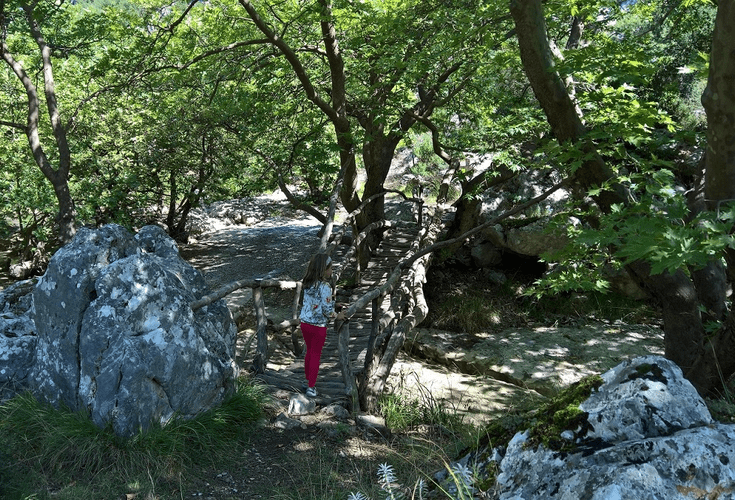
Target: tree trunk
(717,360)
(377,155)
(684,331)
(719,102)
(469,207)
(58,177)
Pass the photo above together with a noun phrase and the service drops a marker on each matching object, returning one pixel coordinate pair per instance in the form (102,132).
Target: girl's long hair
(315,271)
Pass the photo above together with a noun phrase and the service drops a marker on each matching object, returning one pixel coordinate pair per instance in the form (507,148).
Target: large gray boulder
(647,435)
(17,337)
(116,335)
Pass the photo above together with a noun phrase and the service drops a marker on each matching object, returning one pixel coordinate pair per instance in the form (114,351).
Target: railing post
(373,333)
(343,330)
(421,213)
(295,340)
(358,254)
(261,352)
(418,192)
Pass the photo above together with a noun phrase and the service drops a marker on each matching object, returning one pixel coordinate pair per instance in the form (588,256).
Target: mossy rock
(546,423)
(562,413)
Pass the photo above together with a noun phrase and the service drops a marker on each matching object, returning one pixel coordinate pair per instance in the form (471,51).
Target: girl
(315,313)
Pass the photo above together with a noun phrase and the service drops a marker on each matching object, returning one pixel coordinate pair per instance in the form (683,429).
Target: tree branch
(50,94)
(292,59)
(20,126)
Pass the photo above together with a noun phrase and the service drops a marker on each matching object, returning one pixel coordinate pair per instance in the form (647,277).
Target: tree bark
(377,154)
(684,331)
(719,103)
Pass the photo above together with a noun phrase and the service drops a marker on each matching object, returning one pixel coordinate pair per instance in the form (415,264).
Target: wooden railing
(258,285)
(389,328)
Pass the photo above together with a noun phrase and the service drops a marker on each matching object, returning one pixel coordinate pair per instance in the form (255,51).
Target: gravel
(240,253)
(278,245)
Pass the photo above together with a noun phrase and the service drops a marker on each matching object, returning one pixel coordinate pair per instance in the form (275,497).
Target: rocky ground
(478,375)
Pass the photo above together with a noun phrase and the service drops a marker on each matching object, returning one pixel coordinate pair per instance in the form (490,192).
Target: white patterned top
(318,305)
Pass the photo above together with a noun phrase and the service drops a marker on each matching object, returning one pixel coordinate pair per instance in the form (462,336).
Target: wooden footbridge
(384,301)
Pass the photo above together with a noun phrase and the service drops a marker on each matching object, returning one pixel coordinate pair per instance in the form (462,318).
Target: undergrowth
(61,454)
(472,302)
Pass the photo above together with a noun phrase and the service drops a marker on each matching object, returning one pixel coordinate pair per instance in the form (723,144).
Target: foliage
(474,303)
(426,167)
(659,229)
(60,450)
(167,113)
(27,203)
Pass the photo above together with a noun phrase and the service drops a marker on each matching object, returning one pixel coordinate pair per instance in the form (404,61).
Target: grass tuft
(62,454)
(402,413)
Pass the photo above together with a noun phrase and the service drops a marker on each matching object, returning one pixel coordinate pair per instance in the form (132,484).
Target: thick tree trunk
(684,331)
(719,102)
(66,219)
(717,360)
(377,155)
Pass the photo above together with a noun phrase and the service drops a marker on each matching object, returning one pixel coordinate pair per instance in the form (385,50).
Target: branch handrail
(371,296)
(245,283)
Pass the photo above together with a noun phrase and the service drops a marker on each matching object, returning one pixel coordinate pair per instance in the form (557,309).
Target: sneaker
(311,392)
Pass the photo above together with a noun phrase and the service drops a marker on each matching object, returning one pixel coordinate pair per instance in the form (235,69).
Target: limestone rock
(649,435)
(284,422)
(486,254)
(116,335)
(17,337)
(695,460)
(531,240)
(372,424)
(336,411)
(301,405)
(649,397)
(60,299)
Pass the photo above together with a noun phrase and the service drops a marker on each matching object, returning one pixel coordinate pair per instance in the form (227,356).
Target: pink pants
(314,338)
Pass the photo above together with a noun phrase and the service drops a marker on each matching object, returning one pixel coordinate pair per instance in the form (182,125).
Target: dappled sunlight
(303,446)
(357,448)
(478,399)
(544,358)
